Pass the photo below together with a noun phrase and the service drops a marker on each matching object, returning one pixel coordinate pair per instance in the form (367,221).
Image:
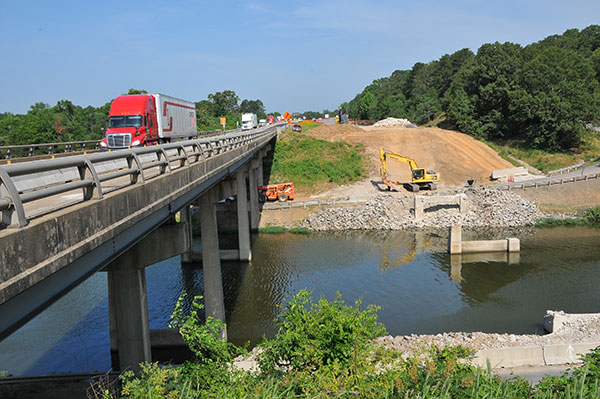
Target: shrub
(593,215)
(313,335)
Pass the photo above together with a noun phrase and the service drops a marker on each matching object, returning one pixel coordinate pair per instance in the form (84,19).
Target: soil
(455,156)
(568,198)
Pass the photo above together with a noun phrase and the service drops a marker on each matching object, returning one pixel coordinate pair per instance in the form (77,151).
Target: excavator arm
(383,154)
(420,177)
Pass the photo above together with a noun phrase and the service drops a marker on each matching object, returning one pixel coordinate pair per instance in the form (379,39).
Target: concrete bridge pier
(214,301)
(253,174)
(130,339)
(243,219)
(186,217)
(128,315)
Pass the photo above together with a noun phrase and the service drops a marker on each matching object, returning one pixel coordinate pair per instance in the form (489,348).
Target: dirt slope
(456,156)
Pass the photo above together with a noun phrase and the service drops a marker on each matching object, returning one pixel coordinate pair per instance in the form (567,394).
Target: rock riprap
(488,207)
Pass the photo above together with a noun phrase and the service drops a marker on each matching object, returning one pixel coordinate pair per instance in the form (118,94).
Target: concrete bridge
(65,219)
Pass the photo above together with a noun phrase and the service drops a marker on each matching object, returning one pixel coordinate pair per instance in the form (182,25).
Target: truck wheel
(262,198)
(282,197)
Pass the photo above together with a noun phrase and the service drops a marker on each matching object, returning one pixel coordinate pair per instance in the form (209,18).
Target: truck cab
(131,122)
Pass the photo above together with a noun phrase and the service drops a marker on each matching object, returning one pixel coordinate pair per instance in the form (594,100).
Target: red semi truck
(145,119)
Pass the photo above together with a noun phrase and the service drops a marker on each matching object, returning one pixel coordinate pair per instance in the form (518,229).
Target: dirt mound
(455,156)
(333,132)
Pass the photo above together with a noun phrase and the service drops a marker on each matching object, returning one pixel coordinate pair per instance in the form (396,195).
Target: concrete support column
(260,171)
(455,240)
(128,314)
(253,183)
(242,213)
(211,259)
(186,217)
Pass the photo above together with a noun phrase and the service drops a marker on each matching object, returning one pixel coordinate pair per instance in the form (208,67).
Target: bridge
(64,219)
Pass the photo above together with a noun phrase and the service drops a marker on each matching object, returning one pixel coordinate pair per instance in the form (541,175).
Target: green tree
(253,106)
(224,102)
(135,91)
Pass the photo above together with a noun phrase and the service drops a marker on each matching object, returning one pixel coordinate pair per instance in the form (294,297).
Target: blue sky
(294,56)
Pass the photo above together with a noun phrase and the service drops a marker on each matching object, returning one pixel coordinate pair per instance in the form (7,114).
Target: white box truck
(249,121)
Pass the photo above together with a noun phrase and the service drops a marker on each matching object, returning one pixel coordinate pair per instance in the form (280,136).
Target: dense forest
(541,95)
(67,122)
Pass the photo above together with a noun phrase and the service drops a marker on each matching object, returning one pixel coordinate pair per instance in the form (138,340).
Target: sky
(294,56)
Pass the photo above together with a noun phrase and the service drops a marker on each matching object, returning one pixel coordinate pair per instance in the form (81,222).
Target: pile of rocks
(582,329)
(488,207)
(394,122)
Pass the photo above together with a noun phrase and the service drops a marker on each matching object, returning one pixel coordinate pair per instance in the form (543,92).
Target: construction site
(429,161)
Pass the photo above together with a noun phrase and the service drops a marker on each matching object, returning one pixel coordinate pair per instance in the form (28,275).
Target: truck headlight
(135,142)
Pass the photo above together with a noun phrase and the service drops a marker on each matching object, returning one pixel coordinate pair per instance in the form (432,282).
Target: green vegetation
(590,217)
(540,95)
(283,229)
(310,162)
(324,349)
(4,374)
(68,122)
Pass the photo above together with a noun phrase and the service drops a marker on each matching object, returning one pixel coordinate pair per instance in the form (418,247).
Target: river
(420,287)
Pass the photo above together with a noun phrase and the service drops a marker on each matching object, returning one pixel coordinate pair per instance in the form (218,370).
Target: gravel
(487,208)
(394,122)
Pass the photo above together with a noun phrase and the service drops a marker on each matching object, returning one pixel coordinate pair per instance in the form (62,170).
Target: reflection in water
(422,290)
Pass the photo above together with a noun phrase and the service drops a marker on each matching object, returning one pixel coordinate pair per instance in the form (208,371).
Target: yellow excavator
(421,178)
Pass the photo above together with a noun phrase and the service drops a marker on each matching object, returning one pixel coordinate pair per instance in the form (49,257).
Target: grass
(310,162)
(590,217)
(547,161)
(324,349)
(282,229)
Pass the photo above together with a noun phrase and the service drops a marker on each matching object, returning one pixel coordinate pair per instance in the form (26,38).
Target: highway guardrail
(29,181)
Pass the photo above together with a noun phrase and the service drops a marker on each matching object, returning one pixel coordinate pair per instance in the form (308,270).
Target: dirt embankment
(455,156)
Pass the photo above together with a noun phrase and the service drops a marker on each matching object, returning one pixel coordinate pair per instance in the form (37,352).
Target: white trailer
(176,117)
(249,121)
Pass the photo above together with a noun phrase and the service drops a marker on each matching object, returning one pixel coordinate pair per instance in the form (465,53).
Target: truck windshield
(125,121)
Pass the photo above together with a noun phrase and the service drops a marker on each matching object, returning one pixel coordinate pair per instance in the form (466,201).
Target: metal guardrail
(566,170)
(306,204)
(31,150)
(88,172)
(547,183)
(9,152)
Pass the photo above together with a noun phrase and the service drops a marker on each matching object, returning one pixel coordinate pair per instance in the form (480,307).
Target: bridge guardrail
(31,150)
(88,172)
(547,183)
(9,152)
(566,170)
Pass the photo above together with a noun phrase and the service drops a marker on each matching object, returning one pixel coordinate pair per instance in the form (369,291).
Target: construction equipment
(421,178)
(276,192)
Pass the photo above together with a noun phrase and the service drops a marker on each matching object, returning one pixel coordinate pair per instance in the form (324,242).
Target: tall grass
(309,162)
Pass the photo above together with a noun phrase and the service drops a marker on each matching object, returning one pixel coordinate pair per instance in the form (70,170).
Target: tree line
(66,122)
(541,95)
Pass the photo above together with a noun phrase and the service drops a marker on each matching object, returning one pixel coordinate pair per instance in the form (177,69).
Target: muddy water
(420,287)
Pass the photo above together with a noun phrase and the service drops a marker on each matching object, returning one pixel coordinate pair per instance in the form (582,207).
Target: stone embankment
(577,334)
(487,207)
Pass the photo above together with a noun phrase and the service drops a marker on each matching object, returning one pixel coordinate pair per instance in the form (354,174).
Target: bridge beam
(211,259)
(242,213)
